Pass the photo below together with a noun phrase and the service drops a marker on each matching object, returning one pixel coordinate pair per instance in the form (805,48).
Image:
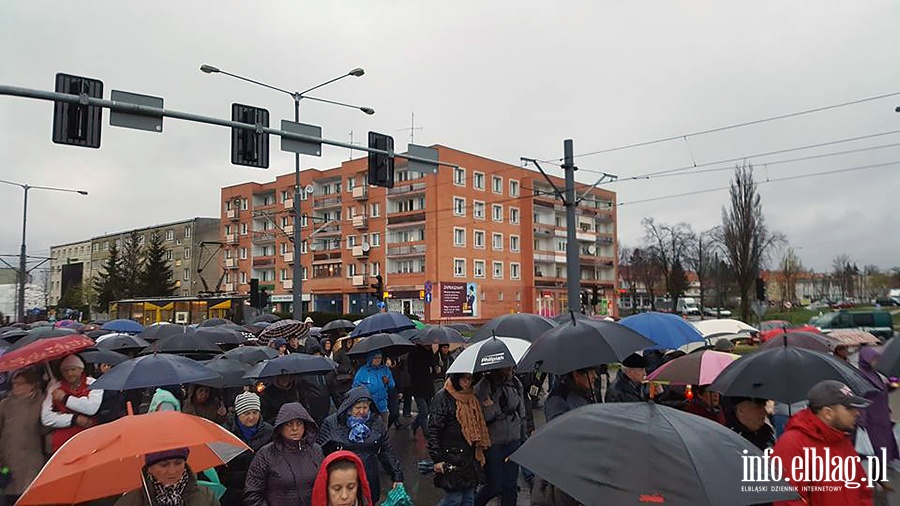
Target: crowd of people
(326,439)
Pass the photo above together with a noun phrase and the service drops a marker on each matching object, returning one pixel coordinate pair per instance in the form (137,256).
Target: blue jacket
(371,378)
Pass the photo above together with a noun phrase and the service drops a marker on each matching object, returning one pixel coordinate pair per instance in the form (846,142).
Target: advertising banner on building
(459,300)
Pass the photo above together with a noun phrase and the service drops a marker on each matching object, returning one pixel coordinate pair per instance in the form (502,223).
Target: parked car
(877,323)
(716,312)
(888,301)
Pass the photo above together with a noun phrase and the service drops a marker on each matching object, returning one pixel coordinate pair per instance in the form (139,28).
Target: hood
(296,411)
(371,355)
(312,348)
(162,396)
(320,488)
(808,424)
(353,396)
(867,356)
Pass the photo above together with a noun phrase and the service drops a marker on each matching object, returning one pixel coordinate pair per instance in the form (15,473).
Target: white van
(687,306)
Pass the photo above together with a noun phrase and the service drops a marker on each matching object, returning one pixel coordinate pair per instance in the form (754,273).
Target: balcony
(409,218)
(264,236)
(361,192)
(407,189)
(361,281)
(263,261)
(289,257)
(288,204)
(228,287)
(412,250)
(287,284)
(231,239)
(330,229)
(361,222)
(233,214)
(327,201)
(288,230)
(543,229)
(360,251)
(326,257)
(231,263)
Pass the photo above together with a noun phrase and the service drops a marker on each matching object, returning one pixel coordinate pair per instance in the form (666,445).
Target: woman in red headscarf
(341,482)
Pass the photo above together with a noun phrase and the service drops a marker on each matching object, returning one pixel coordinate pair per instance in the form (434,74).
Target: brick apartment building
(488,238)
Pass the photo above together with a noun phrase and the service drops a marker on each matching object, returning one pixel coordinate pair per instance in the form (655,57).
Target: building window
(515,270)
(304,247)
(187,232)
(243,278)
(498,270)
(478,268)
(351,241)
(478,209)
(186,275)
(459,237)
(187,253)
(497,241)
(459,206)
(376,209)
(478,180)
(514,215)
(243,253)
(284,274)
(459,267)
(169,255)
(500,296)
(560,245)
(514,244)
(497,212)
(245,228)
(513,188)
(497,184)
(351,183)
(376,268)
(244,204)
(170,235)
(478,241)
(306,273)
(459,176)
(95,246)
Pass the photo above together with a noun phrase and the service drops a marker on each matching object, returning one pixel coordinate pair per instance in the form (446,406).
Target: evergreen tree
(156,278)
(108,283)
(132,265)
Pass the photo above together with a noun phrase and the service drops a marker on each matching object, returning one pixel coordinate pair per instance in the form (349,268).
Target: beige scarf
(471,419)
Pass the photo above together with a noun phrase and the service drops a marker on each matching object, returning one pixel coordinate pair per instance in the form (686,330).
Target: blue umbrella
(151,371)
(124,326)
(378,323)
(667,330)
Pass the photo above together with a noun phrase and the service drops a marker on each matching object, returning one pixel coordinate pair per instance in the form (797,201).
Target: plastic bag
(397,497)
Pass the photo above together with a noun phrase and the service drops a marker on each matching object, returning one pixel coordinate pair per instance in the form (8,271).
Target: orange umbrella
(107,460)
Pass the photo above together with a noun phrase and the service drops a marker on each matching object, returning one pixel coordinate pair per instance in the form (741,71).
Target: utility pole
(573,263)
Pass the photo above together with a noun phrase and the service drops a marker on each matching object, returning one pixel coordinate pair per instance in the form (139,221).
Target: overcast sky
(499,79)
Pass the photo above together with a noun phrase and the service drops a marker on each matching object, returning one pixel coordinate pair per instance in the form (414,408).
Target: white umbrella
(104,337)
(493,353)
(724,326)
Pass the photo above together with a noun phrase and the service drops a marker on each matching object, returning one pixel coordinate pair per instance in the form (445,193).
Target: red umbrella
(44,350)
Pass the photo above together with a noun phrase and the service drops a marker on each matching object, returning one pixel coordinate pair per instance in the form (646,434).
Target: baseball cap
(831,392)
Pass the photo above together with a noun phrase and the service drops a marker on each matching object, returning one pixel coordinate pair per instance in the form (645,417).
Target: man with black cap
(825,426)
(749,420)
(629,385)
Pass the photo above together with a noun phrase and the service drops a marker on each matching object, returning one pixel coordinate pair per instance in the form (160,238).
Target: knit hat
(176,453)
(247,401)
(71,361)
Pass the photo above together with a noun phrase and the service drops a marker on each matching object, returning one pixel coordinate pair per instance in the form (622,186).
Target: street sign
(150,123)
(428,286)
(301,147)
(760,307)
(421,294)
(422,152)
(428,297)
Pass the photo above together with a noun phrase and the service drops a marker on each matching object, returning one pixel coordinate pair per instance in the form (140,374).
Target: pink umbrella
(853,337)
(69,324)
(695,369)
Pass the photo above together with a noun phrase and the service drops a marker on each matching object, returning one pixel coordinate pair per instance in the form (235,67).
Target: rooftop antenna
(412,128)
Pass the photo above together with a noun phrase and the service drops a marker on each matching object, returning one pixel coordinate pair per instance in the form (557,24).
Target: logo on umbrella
(492,359)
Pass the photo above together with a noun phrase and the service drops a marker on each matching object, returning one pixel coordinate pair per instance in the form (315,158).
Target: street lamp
(20,312)
(297,96)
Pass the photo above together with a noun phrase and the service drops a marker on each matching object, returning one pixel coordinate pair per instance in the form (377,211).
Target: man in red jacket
(824,427)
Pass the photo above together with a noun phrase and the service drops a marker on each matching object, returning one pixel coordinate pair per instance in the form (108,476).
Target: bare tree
(628,275)
(700,258)
(647,273)
(791,268)
(842,273)
(744,235)
(668,246)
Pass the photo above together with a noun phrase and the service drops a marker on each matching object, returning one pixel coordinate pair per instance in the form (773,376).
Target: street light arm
(20,185)
(326,83)
(69,190)
(258,83)
(366,110)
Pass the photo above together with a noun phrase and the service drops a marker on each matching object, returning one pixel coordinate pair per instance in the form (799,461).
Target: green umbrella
(419,325)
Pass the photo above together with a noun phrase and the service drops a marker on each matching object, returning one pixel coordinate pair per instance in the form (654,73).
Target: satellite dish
(592,250)
(310,189)
(366,247)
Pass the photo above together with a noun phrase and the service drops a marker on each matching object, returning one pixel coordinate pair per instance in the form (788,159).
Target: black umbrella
(103,357)
(379,323)
(161,330)
(11,336)
(268,317)
(231,371)
(251,354)
(338,326)
(94,334)
(582,343)
(808,340)
(221,334)
(388,344)
(566,317)
(39,333)
(295,363)
(215,322)
(889,361)
(122,342)
(520,325)
(154,370)
(785,374)
(183,343)
(437,335)
(644,453)
(461,327)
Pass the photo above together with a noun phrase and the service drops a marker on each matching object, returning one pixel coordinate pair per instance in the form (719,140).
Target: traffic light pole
(297,285)
(573,263)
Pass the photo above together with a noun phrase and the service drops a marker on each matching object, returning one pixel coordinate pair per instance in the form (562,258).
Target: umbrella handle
(129,408)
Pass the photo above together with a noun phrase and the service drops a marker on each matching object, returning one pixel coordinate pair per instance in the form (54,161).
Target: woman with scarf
(457,437)
(283,472)
(248,426)
(377,378)
(21,439)
(206,403)
(357,427)
(342,482)
(70,406)
(168,481)
(876,419)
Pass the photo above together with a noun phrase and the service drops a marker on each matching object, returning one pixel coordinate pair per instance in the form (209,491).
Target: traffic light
(248,147)
(77,124)
(264,297)
(595,296)
(760,289)
(381,167)
(378,285)
(254,292)
(585,298)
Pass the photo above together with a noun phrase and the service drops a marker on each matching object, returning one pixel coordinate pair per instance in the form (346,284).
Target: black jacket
(334,435)
(762,438)
(232,475)
(317,391)
(273,397)
(421,364)
(564,398)
(446,443)
(625,390)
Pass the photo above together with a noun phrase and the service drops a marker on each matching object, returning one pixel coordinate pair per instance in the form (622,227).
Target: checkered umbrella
(284,329)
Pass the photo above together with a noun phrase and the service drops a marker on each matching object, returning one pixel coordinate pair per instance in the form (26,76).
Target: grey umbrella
(38,334)
(521,325)
(643,453)
(338,325)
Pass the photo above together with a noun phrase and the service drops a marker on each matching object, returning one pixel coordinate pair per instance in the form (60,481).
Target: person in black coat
(247,424)
(345,369)
(629,385)
(282,390)
(358,427)
(422,364)
(317,391)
